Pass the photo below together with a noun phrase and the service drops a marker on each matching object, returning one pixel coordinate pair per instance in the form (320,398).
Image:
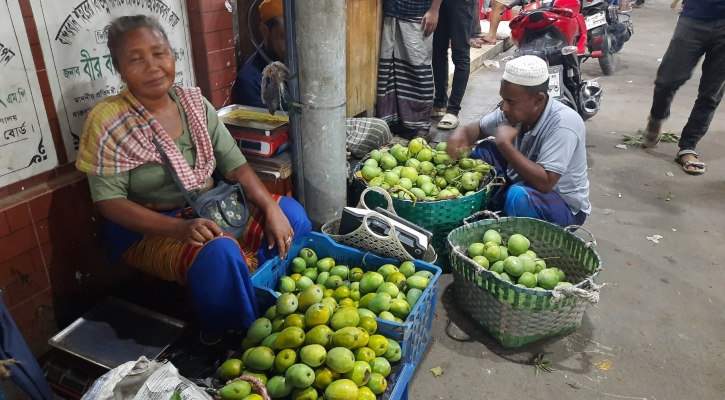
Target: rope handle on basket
(255,382)
(592,243)
(489,214)
(591,295)
(378,190)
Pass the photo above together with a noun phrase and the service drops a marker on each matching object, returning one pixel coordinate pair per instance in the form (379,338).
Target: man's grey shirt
(557,143)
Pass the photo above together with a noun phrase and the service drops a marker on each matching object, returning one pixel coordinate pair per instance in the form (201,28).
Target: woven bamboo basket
(514,315)
(439,217)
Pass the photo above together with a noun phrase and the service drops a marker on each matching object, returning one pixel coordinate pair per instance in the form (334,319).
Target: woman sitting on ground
(135,192)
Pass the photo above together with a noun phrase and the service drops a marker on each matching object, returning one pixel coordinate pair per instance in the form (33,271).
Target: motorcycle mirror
(568,50)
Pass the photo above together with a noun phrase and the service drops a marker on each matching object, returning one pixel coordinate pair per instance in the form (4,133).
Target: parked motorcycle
(556,32)
(607,31)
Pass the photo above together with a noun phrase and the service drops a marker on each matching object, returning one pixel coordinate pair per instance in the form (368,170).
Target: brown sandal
(685,164)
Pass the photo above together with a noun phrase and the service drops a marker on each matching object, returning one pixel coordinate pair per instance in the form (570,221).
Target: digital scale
(261,145)
(413,238)
(255,131)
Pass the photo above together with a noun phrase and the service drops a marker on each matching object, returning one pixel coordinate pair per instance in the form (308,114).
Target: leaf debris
(542,364)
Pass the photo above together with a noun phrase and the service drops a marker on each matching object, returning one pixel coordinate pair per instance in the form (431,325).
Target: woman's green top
(151,183)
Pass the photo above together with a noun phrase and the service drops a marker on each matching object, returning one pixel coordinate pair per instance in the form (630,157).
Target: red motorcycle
(556,32)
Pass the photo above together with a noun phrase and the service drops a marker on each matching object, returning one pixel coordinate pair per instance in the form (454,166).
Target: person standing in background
(454,26)
(700,31)
(476,32)
(495,19)
(405,73)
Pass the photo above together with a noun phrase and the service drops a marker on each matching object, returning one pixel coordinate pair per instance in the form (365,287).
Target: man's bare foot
(652,135)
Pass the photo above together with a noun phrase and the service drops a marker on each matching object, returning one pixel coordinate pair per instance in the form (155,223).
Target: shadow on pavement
(461,329)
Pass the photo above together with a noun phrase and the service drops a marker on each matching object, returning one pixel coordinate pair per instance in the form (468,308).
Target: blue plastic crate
(400,387)
(400,373)
(413,333)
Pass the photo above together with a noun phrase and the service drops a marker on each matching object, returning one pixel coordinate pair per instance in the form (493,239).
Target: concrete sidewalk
(658,331)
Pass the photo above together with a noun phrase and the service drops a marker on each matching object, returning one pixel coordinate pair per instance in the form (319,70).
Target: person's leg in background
(476,27)
(684,51)
(494,18)
(441,40)
(460,14)
(709,95)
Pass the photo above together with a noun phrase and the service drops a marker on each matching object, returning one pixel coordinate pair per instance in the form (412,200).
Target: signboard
(26,144)
(73,37)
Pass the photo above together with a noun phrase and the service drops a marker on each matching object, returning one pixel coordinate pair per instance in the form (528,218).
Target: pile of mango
(422,172)
(319,339)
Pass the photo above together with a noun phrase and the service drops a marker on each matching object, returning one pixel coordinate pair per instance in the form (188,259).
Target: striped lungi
(405,75)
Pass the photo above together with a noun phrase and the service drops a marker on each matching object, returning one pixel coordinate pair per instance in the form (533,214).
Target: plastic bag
(144,380)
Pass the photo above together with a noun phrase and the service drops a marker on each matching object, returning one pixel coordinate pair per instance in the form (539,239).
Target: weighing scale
(261,145)
(110,334)
(256,132)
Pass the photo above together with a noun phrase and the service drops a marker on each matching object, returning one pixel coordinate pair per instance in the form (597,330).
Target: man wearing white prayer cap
(538,146)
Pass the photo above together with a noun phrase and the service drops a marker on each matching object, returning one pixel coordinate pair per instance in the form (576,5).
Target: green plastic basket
(439,217)
(514,315)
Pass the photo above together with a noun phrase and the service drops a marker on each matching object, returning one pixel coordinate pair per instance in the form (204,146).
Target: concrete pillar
(320,45)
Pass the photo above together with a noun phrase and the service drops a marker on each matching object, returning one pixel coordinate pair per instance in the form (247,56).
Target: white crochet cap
(526,71)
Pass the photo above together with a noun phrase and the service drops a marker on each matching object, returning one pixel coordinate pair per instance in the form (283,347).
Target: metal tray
(250,124)
(115,331)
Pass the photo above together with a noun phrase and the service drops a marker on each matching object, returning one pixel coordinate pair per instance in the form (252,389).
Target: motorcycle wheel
(606,61)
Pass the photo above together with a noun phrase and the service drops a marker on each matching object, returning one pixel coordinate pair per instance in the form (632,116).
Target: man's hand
(462,138)
(197,231)
(506,134)
(457,143)
(429,23)
(278,231)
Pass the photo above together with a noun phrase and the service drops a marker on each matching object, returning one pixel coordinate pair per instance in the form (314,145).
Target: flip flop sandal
(482,42)
(449,121)
(474,43)
(686,164)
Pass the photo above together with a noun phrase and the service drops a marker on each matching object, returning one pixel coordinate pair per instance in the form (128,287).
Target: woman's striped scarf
(117,137)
